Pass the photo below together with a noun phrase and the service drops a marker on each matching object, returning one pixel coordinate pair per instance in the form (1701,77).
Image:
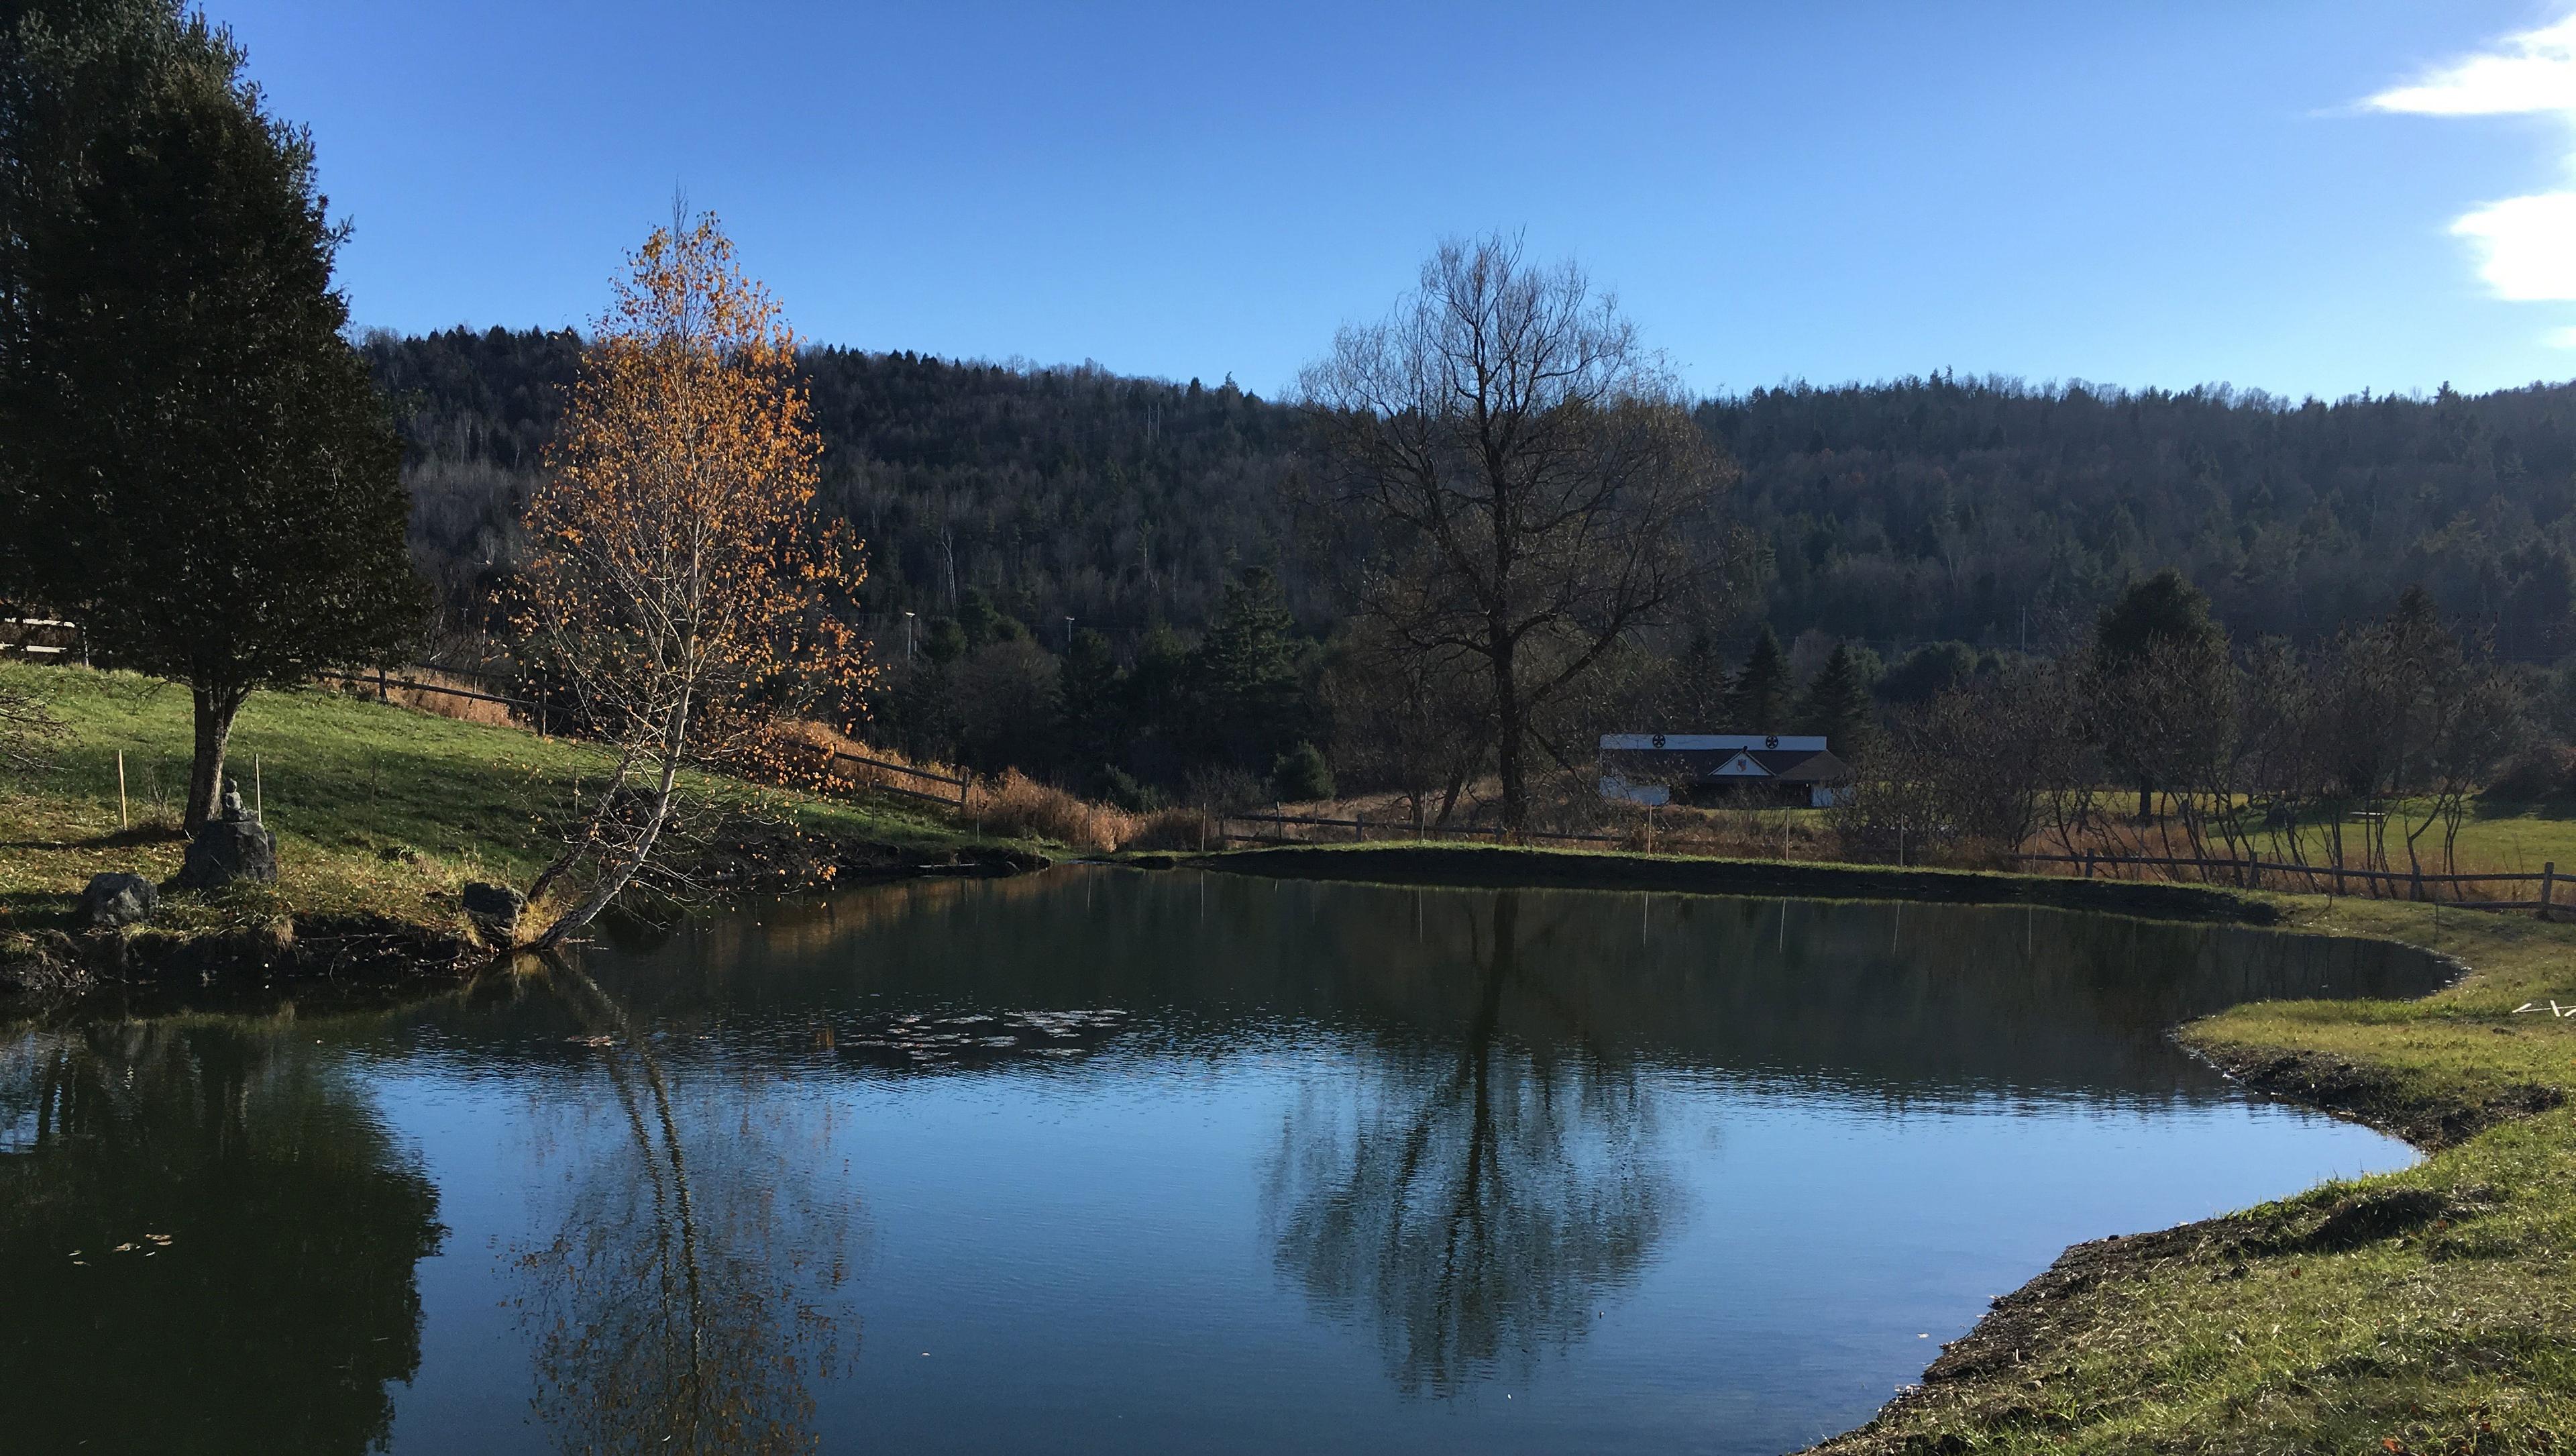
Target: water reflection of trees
(679,1307)
(1475,1202)
(268,1292)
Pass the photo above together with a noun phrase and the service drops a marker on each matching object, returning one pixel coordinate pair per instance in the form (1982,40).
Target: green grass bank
(2431,1310)
(382,813)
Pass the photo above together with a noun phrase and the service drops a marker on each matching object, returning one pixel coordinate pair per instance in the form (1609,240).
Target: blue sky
(2301,196)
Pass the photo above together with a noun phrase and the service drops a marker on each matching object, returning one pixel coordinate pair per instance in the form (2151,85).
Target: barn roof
(1685,757)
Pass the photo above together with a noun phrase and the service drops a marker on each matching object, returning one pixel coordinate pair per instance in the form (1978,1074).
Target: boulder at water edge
(226,850)
(495,911)
(116,899)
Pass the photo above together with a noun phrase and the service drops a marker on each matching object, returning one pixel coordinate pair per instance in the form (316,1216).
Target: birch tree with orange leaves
(681,581)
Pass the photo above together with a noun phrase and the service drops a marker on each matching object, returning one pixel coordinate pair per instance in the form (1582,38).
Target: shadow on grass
(121,839)
(2555,807)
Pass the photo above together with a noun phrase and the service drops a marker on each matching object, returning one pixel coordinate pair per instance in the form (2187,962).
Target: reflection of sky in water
(1361,1169)
(1090,1259)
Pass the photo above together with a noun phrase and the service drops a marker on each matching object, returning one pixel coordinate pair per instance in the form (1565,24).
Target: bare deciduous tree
(1410,721)
(1508,473)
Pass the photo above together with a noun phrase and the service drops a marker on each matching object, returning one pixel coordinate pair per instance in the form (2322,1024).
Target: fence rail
(1360,826)
(2251,870)
(959,783)
(383,682)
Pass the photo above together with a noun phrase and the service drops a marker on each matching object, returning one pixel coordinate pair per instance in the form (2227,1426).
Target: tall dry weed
(425,699)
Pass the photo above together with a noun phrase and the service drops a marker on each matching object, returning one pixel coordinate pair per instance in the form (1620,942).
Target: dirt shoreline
(356,961)
(1486,867)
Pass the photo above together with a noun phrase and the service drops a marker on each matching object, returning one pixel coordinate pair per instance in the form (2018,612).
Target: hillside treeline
(1985,511)
(1056,493)
(1981,510)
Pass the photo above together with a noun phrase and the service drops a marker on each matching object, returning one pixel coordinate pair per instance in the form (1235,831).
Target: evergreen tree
(194,459)
(2163,607)
(1699,694)
(1301,775)
(1759,700)
(1094,720)
(1245,683)
(1838,705)
(2163,688)
(943,641)
(984,622)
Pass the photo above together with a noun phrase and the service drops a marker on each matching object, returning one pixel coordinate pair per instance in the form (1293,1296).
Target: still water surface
(1103,1161)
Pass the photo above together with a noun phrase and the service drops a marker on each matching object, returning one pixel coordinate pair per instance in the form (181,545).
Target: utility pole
(907,639)
(1068,636)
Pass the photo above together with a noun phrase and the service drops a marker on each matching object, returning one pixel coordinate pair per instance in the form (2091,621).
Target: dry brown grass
(443,705)
(1017,806)
(1012,805)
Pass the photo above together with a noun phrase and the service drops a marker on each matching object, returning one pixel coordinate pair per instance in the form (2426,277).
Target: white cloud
(2526,245)
(2535,72)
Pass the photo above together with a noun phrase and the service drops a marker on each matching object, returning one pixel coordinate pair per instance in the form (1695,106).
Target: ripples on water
(1107,1161)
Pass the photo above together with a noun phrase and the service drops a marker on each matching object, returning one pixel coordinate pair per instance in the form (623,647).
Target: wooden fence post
(380,684)
(2088,864)
(2548,882)
(1359,827)
(123,822)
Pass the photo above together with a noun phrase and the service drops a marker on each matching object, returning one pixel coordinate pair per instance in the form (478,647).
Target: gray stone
(495,911)
(226,850)
(117,898)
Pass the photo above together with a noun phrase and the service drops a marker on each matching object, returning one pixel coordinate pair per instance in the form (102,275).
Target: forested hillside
(1921,509)
(1943,508)
(1056,492)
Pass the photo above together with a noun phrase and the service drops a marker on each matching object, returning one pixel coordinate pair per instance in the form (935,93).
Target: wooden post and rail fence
(1363,828)
(951,791)
(2253,872)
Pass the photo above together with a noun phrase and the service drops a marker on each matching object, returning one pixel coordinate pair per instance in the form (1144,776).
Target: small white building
(1720,768)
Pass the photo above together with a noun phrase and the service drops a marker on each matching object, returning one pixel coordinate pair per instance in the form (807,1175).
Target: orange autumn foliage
(681,580)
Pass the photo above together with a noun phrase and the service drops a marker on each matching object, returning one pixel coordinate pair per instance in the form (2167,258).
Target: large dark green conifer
(1245,683)
(1759,700)
(1838,705)
(2163,686)
(194,459)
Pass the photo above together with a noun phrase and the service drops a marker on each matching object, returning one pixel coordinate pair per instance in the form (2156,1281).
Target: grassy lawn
(378,810)
(2432,1310)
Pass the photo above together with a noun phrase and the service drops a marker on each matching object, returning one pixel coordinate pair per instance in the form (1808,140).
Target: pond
(1105,1161)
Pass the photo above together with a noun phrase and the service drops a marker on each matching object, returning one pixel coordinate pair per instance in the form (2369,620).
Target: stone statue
(233,845)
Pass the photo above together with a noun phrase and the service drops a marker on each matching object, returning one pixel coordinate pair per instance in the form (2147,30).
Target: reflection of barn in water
(1768,769)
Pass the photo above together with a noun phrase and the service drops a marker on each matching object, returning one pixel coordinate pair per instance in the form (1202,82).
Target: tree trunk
(1458,770)
(614,878)
(2146,803)
(214,713)
(1507,739)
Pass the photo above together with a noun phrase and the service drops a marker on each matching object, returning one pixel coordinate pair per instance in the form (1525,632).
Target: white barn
(1716,768)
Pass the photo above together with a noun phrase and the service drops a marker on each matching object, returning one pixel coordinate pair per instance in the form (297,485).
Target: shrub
(1300,775)
(1017,805)
(2545,772)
